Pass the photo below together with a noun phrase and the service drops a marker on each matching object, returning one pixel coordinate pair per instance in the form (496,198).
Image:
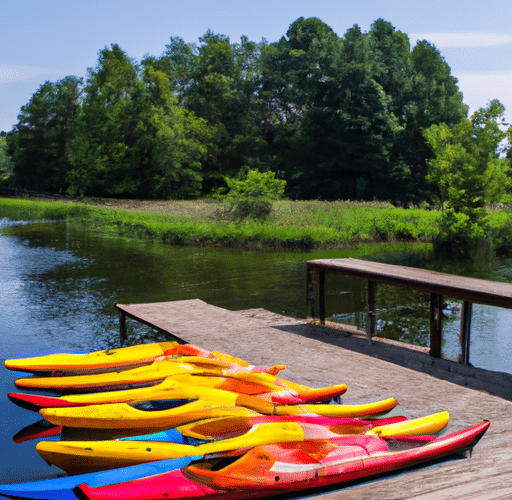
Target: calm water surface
(59,284)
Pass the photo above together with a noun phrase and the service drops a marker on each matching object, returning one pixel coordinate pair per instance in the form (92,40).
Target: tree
(132,138)
(466,156)
(297,74)
(6,165)
(40,140)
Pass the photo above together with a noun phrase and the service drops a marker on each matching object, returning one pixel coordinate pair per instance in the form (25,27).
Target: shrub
(252,197)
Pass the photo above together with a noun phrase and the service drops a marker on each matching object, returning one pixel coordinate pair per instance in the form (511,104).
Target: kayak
(229,426)
(267,387)
(285,468)
(143,376)
(210,428)
(89,456)
(232,427)
(211,387)
(149,415)
(254,383)
(167,389)
(122,358)
(381,427)
(168,413)
(61,488)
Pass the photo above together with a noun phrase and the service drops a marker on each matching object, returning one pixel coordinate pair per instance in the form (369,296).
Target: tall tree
(40,140)
(466,159)
(6,165)
(132,140)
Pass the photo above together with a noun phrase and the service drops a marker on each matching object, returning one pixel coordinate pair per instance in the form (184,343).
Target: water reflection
(59,284)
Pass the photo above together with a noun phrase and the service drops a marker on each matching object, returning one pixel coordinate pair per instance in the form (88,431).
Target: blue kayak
(61,488)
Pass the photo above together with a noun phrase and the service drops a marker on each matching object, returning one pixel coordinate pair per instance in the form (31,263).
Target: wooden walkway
(319,356)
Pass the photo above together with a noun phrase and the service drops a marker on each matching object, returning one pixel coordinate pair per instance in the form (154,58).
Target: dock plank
(320,356)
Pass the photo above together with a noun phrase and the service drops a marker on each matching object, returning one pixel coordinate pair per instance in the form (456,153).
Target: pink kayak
(289,467)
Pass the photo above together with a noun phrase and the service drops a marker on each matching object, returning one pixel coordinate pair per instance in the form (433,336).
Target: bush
(252,197)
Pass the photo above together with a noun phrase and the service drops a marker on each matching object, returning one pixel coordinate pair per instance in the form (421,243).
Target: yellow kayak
(171,413)
(268,387)
(130,357)
(109,359)
(216,428)
(431,424)
(169,388)
(212,374)
(145,415)
(128,379)
(90,456)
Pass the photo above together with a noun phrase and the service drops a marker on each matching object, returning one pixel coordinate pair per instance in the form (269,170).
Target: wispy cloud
(16,73)
(472,39)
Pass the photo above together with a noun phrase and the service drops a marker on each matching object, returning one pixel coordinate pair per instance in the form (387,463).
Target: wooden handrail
(469,290)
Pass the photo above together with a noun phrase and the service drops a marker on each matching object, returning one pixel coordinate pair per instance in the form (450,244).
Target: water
(59,284)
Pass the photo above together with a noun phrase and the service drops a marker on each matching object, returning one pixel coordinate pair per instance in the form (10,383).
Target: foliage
(40,140)
(336,117)
(463,169)
(6,165)
(252,196)
(132,139)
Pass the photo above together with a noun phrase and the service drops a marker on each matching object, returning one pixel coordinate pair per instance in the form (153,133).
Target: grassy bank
(293,225)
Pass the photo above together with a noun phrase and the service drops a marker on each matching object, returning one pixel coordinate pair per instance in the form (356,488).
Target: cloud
(472,39)
(16,73)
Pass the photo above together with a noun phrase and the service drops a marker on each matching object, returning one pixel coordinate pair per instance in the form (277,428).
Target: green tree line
(335,117)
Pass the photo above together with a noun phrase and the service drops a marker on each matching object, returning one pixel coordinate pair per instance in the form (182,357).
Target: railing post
(371,309)
(436,324)
(465,332)
(122,326)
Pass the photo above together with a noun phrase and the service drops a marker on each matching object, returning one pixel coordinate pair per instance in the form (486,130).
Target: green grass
(308,225)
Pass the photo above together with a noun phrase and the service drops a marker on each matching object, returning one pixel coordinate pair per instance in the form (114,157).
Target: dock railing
(438,285)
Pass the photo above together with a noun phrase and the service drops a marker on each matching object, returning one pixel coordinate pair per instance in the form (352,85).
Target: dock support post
(465,332)
(321,296)
(436,324)
(371,309)
(122,326)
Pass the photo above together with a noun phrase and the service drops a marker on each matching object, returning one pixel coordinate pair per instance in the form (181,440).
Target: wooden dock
(438,285)
(320,356)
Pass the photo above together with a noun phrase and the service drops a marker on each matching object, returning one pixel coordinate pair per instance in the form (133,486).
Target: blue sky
(48,39)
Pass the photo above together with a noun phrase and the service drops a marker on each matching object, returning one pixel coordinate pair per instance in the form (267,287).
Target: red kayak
(289,467)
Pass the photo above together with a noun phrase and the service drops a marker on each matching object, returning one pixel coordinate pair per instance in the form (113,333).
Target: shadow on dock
(408,356)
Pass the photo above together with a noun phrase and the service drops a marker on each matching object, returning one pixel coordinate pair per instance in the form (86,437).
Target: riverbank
(308,225)
(292,225)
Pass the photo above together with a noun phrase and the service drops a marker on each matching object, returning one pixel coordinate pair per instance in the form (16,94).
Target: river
(59,284)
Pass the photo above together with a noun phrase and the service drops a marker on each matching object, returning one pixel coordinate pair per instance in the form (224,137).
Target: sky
(44,40)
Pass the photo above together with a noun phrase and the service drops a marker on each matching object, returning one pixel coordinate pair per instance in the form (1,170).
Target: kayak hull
(129,416)
(271,470)
(96,361)
(61,488)
(90,456)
